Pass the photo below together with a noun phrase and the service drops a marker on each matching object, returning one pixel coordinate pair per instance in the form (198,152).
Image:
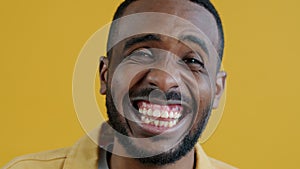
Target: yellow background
(40,41)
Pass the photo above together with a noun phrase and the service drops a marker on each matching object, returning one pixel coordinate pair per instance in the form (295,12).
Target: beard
(118,122)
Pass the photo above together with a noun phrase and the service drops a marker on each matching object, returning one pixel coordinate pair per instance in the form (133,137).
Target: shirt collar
(85,153)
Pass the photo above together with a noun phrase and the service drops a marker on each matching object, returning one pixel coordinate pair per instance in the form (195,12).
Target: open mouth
(159,115)
(156,117)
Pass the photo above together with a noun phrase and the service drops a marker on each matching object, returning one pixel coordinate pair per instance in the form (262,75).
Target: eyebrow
(145,38)
(195,40)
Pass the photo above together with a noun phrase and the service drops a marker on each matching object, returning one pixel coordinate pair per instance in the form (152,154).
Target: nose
(161,79)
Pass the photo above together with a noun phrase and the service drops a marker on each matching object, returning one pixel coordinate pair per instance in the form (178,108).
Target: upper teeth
(160,115)
(160,111)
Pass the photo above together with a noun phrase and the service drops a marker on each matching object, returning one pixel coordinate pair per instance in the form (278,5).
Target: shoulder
(220,165)
(205,162)
(50,159)
(83,154)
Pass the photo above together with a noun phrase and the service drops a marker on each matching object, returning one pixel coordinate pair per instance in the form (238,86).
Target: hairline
(206,4)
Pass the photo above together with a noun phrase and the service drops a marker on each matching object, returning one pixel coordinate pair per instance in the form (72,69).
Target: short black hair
(204,3)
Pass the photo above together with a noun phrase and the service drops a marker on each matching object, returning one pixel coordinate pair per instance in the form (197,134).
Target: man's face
(161,81)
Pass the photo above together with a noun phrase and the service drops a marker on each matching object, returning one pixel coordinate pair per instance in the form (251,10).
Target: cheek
(121,79)
(137,81)
(122,75)
(204,98)
(204,88)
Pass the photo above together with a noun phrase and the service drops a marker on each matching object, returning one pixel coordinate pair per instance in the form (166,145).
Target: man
(161,79)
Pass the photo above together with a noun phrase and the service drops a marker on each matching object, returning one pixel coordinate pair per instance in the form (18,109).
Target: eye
(142,52)
(194,63)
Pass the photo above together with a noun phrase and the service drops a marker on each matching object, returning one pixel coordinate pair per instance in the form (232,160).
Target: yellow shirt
(85,155)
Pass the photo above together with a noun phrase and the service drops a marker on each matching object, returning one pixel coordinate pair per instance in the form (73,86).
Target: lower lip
(155,130)
(151,129)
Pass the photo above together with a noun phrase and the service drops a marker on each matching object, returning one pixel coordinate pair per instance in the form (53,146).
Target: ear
(103,68)
(220,86)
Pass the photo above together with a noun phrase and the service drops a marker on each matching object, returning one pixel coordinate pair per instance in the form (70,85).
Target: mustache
(154,92)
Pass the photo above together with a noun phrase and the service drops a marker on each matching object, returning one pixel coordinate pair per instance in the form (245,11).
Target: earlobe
(103,68)
(220,86)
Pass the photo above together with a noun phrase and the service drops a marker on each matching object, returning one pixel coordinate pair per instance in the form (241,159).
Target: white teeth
(170,124)
(156,113)
(171,114)
(144,111)
(160,113)
(156,122)
(147,121)
(177,115)
(165,117)
(159,123)
(165,114)
(149,112)
(166,124)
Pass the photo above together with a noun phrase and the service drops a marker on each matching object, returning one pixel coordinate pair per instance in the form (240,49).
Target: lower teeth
(158,123)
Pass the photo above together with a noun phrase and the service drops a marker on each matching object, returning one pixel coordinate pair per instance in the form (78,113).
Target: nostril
(152,84)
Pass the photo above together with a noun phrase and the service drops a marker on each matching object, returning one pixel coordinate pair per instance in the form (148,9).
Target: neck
(121,162)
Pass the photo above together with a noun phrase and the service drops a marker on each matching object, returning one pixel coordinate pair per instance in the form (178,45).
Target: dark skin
(208,81)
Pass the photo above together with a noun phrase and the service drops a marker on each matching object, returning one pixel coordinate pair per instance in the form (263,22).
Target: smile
(157,115)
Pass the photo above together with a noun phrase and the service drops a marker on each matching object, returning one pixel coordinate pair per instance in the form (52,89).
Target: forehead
(183,15)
